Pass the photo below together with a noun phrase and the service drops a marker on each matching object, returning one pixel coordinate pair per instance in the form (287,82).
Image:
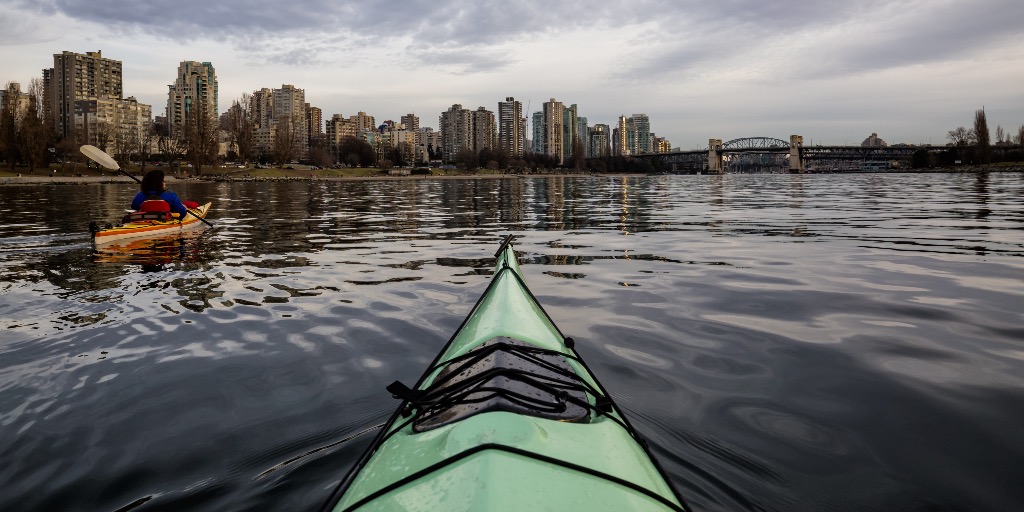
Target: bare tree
(1020,140)
(32,130)
(200,141)
(9,144)
(960,137)
(286,140)
(143,147)
(981,136)
(1000,135)
(241,127)
(124,143)
(104,132)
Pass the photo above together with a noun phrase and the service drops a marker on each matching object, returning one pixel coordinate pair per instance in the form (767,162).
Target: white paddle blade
(97,155)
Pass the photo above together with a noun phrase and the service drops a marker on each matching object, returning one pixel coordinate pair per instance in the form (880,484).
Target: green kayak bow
(507,418)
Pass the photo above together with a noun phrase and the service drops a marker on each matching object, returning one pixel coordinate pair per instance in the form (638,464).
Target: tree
(354,152)
(578,158)
(921,159)
(32,134)
(40,134)
(201,137)
(1020,140)
(286,140)
(320,152)
(1000,135)
(241,128)
(9,115)
(467,159)
(981,136)
(960,137)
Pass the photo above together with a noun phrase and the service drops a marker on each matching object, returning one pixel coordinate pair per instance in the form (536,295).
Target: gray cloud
(681,38)
(821,39)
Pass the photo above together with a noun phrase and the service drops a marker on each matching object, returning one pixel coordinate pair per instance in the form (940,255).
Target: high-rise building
(600,136)
(290,117)
(430,141)
(554,131)
(121,124)
(365,123)
(339,127)
(511,127)
(194,90)
(642,129)
(75,77)
(569,134)
(412,123)
(538,133)
(456,125)
(485,130)
(661,145)
(314,121)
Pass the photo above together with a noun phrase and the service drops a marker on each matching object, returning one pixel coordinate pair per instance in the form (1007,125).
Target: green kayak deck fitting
(507,418)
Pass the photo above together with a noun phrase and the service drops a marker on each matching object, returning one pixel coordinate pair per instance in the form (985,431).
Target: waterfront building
(570,135)
(632,136)
(364,122)
(642,134)
(537,145)
(412,123)
(339,127)
(283,112)
(314,122)
(115,123)
(620,146)
(583,135)
(661,144)
(429,142)
(511,127)
(195,89)
(599,137)
(553,133)
(456,125)
(485,130)
(74,77)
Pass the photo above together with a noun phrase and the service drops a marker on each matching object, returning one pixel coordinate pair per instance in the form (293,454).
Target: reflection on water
(785,341)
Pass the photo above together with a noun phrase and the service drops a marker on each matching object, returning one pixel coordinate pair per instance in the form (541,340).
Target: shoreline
(7,178)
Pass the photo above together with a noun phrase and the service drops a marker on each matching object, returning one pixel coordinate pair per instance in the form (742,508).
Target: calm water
(785,342)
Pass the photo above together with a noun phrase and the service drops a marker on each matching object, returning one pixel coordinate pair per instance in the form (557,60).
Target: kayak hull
(497,460)
(150,228)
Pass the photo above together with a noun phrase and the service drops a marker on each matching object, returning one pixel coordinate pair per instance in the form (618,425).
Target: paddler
(153,196)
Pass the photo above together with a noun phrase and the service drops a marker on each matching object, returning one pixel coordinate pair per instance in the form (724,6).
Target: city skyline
(829,71)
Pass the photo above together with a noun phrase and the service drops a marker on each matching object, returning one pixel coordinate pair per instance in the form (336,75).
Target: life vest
(153,208)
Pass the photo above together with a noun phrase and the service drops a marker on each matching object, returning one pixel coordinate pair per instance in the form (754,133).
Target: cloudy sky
(833,71)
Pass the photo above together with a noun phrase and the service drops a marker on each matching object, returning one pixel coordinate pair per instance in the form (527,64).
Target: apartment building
(456,126)
(485,130)
(194,92)
(599,139)
(117,123)
(74,77)
(553,130)
(511,127)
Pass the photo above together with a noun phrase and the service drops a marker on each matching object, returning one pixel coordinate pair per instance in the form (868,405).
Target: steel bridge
(771,153)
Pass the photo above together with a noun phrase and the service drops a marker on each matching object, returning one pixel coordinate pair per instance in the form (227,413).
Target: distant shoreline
(7,178)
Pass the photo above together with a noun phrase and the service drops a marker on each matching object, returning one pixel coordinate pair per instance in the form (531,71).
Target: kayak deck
(150,227)
(523,424)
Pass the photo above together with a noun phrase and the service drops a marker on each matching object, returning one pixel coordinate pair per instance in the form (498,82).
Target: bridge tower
(796,157)
(715,156)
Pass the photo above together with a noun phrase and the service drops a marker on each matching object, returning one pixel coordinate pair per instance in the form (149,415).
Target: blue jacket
(166,195)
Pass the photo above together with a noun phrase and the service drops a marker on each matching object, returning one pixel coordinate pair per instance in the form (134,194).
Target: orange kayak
(147,228)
